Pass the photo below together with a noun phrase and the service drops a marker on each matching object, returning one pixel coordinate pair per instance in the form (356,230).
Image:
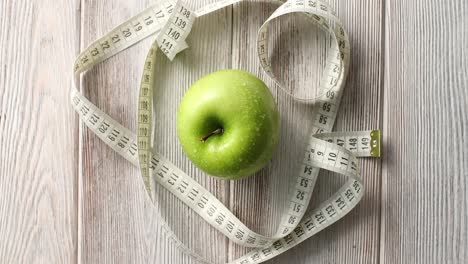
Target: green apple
(227,124)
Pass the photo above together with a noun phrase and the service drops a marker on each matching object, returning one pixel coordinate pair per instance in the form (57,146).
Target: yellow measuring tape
(172,21)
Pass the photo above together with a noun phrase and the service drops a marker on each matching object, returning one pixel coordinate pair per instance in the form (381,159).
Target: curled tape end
(375,143)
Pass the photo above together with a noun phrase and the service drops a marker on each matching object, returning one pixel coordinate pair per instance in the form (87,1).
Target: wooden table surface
(67,198)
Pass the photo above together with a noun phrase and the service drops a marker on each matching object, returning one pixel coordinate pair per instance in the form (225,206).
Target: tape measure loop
(321,15)
(336,152)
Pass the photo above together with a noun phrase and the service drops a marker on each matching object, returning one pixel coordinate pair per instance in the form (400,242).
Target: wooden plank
(425,173)
(119,222)
(299,55)
(38,132)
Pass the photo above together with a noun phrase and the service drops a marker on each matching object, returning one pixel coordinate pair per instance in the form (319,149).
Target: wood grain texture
(299,55)
(119,222)
(112,201)
(425,173)
(67,198)
(38,144)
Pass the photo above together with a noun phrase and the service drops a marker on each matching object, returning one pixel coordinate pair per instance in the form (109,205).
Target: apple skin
(243,107)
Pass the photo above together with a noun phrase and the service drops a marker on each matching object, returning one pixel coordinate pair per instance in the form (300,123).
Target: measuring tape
(172,21)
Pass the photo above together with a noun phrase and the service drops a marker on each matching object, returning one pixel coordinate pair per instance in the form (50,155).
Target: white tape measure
(337,152)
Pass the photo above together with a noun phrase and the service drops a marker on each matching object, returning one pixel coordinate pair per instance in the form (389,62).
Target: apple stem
(217,131)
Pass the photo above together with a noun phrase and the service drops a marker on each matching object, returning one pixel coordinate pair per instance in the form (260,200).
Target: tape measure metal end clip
(375,143)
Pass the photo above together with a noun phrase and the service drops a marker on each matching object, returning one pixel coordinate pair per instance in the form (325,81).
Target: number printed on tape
(335,151)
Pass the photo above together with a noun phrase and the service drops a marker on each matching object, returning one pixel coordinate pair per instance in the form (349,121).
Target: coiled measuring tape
(337,152)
